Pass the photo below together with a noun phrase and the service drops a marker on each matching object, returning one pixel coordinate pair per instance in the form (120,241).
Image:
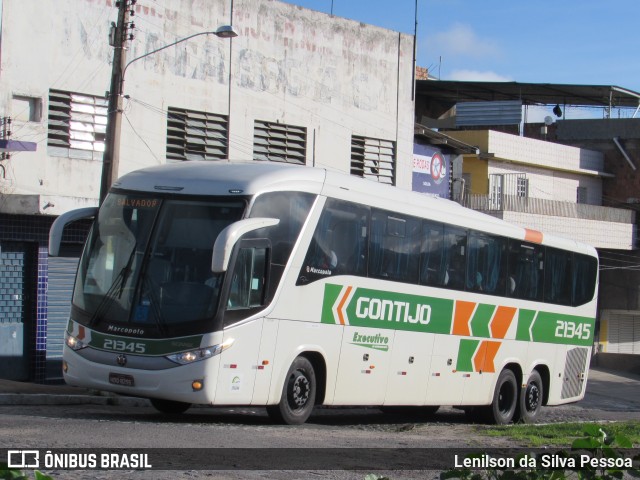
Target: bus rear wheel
(298,394)
(170,407)
(505,399)
(530,401)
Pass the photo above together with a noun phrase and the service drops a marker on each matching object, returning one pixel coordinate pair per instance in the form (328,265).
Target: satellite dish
(548,120)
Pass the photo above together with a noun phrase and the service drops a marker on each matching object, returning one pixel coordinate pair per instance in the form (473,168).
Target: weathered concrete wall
(334,76)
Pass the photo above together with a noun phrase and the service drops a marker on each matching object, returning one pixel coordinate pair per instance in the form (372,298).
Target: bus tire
(505,399)
(170,407)
(298,394)
(530,401)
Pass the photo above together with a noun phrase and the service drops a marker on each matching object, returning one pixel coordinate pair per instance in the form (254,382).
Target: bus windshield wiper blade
(118,282)
(126,271)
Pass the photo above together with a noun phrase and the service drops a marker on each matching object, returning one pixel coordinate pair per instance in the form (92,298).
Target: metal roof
(452,92)
(442,140)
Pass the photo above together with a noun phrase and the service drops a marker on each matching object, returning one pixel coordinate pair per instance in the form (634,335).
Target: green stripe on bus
(525,319)
(481,319)
(465,355)
(563,329)
(143,346)
(364,307)
(380,309)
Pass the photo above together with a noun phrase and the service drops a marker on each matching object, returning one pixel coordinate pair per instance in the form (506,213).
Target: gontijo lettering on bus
(363,307)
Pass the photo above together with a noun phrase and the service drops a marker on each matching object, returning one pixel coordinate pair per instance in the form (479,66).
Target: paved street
(58,420)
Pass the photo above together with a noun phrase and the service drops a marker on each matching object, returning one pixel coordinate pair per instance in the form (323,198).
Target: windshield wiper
(118,282)
(126,271)
(154,302)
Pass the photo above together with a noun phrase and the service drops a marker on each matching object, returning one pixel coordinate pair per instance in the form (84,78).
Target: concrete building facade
(295,86)
(575,178)
(545,186)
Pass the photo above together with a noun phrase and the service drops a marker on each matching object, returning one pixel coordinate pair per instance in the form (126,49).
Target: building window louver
(373,159)
(77,121)
(195,135)
(277,142)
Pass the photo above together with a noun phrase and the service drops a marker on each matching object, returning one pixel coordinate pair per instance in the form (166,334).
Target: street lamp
(111,156)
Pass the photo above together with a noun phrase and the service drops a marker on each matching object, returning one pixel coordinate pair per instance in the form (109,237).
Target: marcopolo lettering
(393,311)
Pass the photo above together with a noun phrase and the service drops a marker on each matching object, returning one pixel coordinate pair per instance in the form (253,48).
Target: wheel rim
(532,397)
(299,390)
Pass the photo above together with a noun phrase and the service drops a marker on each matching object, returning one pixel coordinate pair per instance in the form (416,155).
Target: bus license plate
(120,379)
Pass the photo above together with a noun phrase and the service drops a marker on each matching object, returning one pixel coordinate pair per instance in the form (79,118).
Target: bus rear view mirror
(229,236)
(55,233)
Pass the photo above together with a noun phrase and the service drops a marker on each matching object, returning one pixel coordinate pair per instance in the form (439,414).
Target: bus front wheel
(505,399)
(298,394)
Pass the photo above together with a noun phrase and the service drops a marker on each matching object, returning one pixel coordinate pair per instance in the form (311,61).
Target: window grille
(193,135)
(373,159)
(277,142)
(77,121)
(522,187)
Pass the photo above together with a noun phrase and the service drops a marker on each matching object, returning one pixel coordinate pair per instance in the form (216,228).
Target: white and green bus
(289,287)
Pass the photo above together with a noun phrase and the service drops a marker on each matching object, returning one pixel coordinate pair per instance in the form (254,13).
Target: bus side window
(585,271)
(394,247)
(486,264)
(339,243)
(248,279)
(526,275)
(432,268)
(454,254)
(292,209)
(557,276)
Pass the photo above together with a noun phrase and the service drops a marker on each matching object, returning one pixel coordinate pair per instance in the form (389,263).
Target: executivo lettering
(377,341)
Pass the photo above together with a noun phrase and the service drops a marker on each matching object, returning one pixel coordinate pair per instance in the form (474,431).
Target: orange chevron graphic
(341,305)
(485,356)
(502,321)
(461,318)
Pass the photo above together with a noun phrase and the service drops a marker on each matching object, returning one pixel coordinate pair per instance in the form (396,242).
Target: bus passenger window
(432,268)
(486,264)
(394,247)
(557,276)
(339,244)
(526,278)
(454,254)
(585,271)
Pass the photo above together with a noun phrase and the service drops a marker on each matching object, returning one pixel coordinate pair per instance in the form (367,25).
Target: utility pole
(119,37)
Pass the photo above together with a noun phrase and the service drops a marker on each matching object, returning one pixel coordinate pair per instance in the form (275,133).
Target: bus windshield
(147,265)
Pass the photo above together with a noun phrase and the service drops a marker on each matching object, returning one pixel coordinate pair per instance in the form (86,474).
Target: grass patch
(559,434)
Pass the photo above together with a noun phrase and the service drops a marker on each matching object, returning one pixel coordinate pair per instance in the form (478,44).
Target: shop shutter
(62,272)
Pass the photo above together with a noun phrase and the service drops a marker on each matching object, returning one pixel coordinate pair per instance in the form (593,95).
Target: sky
(590,42)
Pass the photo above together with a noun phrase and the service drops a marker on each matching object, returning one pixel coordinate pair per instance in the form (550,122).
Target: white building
(295,86)
(546,186)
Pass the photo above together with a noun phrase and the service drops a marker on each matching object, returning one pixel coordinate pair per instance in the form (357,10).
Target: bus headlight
(190,356)
(74,343)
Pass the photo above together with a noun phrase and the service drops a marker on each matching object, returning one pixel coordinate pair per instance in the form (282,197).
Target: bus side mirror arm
(229,236)
(55,233)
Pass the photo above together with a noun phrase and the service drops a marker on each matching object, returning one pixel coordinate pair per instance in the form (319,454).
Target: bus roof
(222,178)
(251,178)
